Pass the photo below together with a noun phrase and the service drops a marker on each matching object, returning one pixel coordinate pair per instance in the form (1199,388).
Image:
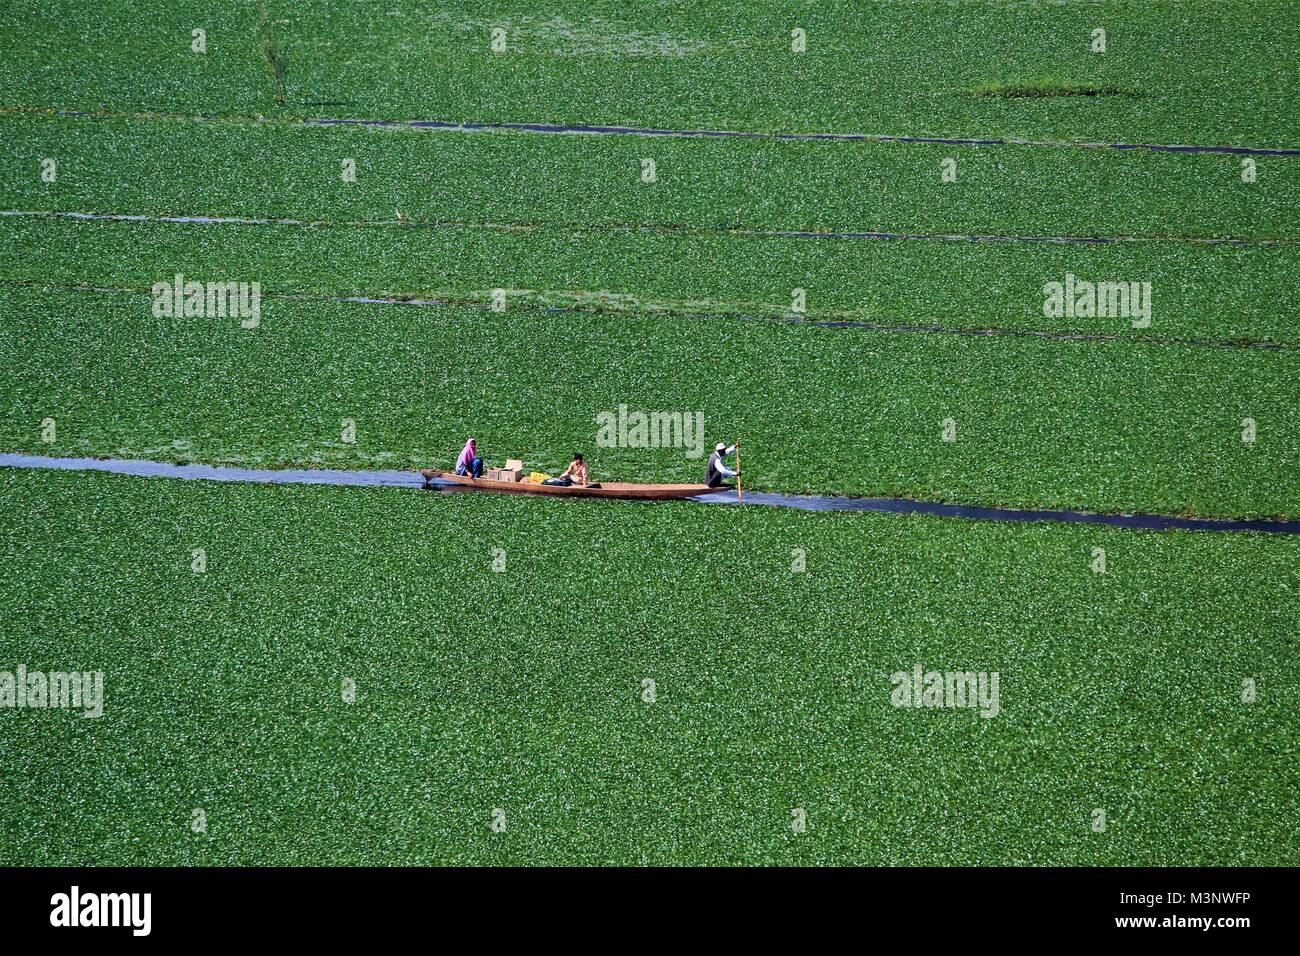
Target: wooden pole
(740,491)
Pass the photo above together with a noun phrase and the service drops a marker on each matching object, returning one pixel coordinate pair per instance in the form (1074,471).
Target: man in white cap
(718,469)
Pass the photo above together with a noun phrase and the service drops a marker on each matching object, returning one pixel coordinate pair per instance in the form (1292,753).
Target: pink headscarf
(468,455)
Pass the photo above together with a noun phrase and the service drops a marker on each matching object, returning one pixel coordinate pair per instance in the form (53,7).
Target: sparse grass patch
(275,54)
(1045,87)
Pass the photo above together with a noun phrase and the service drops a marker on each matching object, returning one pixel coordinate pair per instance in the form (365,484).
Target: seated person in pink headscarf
(469,463)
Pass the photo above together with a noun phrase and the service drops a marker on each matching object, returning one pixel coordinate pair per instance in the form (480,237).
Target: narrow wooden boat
(603,489)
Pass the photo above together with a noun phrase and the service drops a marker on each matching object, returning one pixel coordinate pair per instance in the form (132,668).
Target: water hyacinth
(223,689)
(895,255)
(1037,423)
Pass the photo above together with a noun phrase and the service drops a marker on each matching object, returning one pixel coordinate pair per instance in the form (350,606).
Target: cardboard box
(503,474)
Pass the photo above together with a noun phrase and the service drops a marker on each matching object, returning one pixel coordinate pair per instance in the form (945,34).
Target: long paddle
(740,491)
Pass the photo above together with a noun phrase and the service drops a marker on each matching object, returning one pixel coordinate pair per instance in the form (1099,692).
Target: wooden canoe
(604,489)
